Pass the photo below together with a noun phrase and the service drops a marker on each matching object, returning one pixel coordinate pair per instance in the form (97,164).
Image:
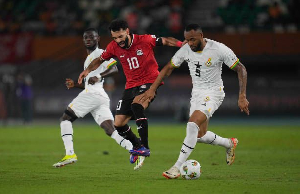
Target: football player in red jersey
(135,52)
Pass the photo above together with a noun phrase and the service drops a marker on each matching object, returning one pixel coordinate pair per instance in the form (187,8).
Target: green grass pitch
(267,161)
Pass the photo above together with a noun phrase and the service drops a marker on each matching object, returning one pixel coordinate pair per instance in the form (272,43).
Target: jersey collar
(132,39)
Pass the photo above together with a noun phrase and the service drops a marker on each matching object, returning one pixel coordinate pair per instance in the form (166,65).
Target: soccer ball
(190,169)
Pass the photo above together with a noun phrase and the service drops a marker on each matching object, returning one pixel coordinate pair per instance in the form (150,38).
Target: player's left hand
(82,76)
(93,80)
(243,104)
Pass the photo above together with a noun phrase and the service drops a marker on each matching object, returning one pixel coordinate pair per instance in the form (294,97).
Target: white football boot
(230,152)
(172,173)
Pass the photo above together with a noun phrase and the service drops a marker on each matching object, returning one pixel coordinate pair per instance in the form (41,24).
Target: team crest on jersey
(208,62)
(139,52)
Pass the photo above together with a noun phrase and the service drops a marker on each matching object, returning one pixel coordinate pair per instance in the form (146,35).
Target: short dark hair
(193,27)
(91,30)
(117,25)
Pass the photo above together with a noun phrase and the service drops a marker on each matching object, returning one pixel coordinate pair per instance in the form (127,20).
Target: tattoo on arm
(242,76)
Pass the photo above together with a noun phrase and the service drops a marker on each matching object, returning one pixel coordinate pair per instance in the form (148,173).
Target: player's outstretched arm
(93,65)
(242,76)
(170,41)
(108,72)
(150,93)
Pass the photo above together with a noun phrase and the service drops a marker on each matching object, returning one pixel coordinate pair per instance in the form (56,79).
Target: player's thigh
(121,120)
(102,112)
(84,103)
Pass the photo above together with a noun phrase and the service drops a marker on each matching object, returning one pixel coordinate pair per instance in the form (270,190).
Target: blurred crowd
(55,17)
(168,17)
(16,96)
(276,15)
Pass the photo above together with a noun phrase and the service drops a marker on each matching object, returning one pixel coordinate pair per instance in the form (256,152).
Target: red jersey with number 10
(138,62)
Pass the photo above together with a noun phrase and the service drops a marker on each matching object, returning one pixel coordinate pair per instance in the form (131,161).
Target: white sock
(67,136)
(214,139)
(121,141)
(189,143)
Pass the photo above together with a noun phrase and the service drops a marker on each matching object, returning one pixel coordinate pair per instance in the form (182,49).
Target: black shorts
(124,105)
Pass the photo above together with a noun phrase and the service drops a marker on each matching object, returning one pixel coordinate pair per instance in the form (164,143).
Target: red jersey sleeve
(109,52)
(151,39)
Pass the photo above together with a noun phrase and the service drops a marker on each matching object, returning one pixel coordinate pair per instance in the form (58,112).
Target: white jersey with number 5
(206,66)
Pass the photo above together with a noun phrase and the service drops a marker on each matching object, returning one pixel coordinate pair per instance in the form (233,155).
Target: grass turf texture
(267,161)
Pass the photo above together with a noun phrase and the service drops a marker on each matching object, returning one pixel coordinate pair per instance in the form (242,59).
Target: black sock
(126,132)
(141,122)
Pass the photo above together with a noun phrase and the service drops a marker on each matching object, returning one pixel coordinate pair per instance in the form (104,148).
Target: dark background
(41,41)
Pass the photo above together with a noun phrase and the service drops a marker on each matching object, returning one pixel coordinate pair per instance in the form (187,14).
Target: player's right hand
(69,83)
(82,76)
(243,103)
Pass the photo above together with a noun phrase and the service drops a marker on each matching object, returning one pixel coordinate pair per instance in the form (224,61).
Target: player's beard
(197,48)
(126,43)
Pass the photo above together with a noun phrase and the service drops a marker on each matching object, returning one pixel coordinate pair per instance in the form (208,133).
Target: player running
(205,58)
(93,99)
(136,55)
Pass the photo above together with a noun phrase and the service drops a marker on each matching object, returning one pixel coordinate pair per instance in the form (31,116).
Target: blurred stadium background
(41,45)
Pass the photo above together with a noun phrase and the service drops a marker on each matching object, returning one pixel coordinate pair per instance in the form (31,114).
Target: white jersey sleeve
(228,56)
(180,56)
(109,64)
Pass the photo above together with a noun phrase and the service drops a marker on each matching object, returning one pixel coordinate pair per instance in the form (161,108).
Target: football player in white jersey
(93,99)
(205,58)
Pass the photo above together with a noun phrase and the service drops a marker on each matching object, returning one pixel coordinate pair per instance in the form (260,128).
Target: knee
(136,107)
(68,115)
(138,110)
